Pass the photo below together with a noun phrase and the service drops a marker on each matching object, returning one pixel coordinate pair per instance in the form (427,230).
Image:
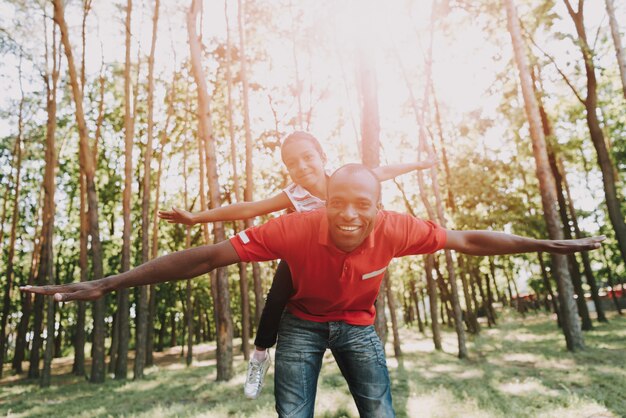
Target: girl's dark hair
(303,136)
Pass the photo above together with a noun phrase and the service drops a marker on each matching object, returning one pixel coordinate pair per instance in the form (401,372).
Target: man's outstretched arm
(499,243)
(179,265)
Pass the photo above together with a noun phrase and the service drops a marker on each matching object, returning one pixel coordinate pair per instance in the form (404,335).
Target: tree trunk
(141,327)
(370,146)
(431,286)
(613,200)
(243,271)
(591,280)
(484,299)
(6,301)
(490,299)
(5,197)
(571,324)
(391,300)
(145,204)
(46,265)
(173,329)
(189,323)
(474,326)
(617,42)
(88,166)
(188,290)
(573,265)
(548,286)
(454,292)
(225,326)
(155,219)
(122,317)
(415,298)
(27,305)
(496,290)
(419,117)
(559,178)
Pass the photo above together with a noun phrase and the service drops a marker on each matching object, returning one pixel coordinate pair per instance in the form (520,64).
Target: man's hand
(179,265)
(568,246)
(177,216)
(66,292)
(499,243)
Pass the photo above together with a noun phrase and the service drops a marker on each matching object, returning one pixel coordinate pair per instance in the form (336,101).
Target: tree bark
(591,280)
(561,182)
(6,301)
(155,219)
(571,324)
(27,303)
(474,326)
(248,194)
(188,289)
(123,320)
(573,265)
(415,298)
(607,167)
(370,146)
(224,325)
(454,292)
(391,300)
(617,42)
(88,166)
(46,265)
(243,270)
(145,204)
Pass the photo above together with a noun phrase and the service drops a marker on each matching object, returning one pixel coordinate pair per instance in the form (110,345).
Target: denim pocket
(380,351)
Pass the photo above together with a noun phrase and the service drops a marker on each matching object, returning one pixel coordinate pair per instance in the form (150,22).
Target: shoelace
(255,373)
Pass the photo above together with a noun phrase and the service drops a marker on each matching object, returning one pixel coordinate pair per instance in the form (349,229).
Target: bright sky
(464,62)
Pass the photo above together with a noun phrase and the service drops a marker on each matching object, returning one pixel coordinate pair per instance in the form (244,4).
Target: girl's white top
(301,199)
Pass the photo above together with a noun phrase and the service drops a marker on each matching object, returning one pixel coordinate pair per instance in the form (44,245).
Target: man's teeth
(348,228)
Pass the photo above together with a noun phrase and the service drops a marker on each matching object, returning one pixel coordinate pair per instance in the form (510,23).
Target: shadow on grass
(520,368)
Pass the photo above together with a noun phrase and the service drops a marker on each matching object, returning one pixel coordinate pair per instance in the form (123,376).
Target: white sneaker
(256,376)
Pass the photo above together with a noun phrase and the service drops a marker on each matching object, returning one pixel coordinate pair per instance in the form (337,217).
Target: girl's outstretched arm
(234,212)
(388,172)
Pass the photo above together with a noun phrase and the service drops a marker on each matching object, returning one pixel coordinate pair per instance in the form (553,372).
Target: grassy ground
(519,368)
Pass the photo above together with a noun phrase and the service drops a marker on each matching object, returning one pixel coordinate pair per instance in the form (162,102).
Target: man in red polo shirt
(338,257)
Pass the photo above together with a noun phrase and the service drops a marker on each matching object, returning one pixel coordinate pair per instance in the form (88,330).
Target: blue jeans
(359,355)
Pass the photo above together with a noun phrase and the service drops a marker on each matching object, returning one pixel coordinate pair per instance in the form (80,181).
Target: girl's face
(304,164)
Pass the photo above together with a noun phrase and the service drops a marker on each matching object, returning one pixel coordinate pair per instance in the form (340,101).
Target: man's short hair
(355,169)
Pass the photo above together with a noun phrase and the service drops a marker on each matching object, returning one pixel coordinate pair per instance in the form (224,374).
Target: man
(338,257)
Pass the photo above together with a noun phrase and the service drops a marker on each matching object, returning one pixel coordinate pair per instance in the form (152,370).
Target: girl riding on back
(305,160)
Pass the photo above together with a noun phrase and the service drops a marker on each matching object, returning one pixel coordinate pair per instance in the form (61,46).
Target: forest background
(113,110)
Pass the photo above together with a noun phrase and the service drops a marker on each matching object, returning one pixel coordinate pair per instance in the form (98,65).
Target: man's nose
(349,212)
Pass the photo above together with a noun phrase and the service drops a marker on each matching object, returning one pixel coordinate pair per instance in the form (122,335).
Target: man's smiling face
(352,206)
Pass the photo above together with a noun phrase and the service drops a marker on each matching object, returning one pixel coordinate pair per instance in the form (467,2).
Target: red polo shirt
(330,284)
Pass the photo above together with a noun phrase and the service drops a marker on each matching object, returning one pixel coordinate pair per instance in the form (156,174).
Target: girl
(304,158)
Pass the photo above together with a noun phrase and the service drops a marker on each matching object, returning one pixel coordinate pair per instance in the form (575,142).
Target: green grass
(520,369)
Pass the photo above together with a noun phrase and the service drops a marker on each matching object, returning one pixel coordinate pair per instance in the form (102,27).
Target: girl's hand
(177,216)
